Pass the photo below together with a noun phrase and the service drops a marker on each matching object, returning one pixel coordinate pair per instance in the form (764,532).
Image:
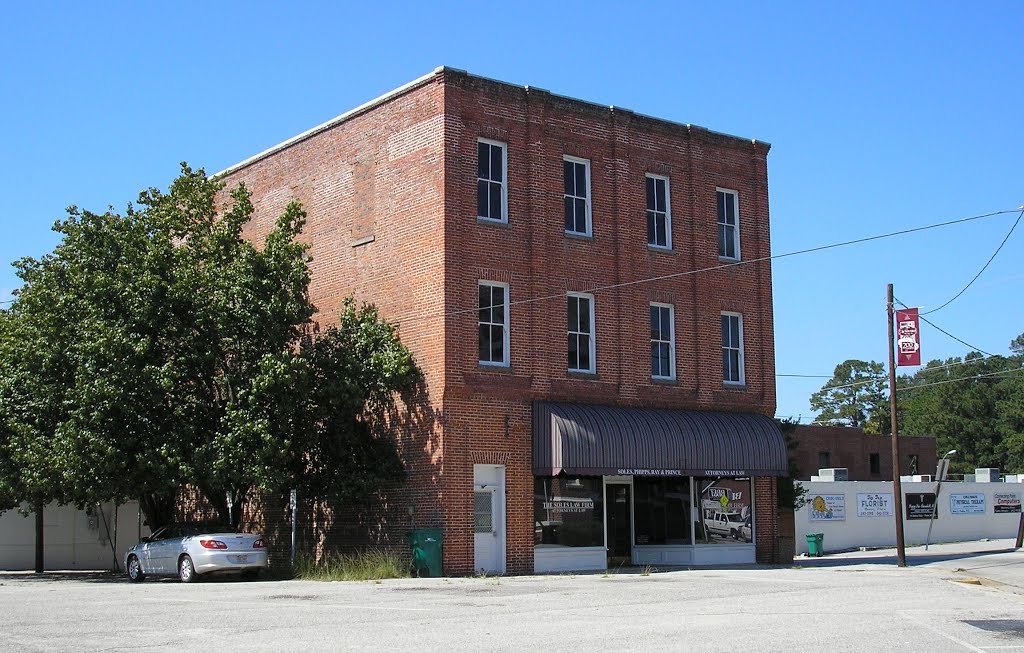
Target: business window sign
(874,505)
(828,507)
(1005,502)
(972,503)
(920,505)
(569,504)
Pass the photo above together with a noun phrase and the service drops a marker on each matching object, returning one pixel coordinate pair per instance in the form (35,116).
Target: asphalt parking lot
(858,603)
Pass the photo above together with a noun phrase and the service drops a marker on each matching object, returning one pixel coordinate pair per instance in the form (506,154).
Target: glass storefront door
(619,511)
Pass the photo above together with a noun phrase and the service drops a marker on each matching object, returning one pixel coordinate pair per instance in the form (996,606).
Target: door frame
(619,480)
(499,521)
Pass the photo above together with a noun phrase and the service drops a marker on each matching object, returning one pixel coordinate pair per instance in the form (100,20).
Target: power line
(991,258)
(965,378)
(923,369)
(805,376)
(966,344)
(722,266)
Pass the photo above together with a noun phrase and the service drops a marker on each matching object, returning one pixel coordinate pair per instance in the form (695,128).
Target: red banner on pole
(908,337)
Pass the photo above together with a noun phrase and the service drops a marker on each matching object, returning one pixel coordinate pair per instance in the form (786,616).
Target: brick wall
(852,448)
(391,198)
(488,410)
(372,186)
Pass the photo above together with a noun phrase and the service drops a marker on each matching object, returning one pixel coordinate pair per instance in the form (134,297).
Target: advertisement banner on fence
(828,507)
(874,505)
(972,503)
(1005,502)
(920,505)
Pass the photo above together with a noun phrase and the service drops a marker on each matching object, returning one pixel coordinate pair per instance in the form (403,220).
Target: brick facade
(391,194)
(853,449)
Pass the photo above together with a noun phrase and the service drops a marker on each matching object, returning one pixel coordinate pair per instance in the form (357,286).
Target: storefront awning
(585,440)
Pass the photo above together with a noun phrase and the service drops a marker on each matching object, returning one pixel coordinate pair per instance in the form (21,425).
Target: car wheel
(187,570)
(135,573)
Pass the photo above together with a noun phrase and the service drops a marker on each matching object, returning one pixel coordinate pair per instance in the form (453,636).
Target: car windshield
(735,517)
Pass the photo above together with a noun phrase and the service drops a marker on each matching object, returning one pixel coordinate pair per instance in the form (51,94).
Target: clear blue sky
(883,116)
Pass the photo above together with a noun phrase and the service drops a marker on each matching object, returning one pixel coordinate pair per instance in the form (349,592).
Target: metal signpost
(940,475)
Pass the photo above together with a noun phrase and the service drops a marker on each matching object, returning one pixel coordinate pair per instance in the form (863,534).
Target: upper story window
(659,214)
(580,311)
(824,460)
(493,323)
(875,462)
(491,181)
(577,195)
(663,342)
(732,348)
(728,224)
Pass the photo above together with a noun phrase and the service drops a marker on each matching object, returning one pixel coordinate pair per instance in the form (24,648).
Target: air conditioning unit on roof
(834,474)
(987,475)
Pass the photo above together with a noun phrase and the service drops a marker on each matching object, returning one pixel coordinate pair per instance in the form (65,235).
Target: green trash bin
(425,544)
(815,544)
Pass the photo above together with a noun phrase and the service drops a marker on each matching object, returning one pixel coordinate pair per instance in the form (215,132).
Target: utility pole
(897,487)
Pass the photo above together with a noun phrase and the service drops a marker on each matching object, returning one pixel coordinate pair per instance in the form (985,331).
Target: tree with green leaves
(855,396)
(160,348)
(968,404)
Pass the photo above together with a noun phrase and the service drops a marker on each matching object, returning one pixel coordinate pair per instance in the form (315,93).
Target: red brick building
(588,293)
(865,457)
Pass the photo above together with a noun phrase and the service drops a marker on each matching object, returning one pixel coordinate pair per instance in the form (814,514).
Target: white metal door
(489,518)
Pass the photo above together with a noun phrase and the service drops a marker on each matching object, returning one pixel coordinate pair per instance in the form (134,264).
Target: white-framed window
(580,311)
(659,212)
(663,341)
(728,224)
(732,349)
(493,342)
(576,175)
(491,181)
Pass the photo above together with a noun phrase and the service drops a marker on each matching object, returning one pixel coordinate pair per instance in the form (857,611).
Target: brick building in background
(598,356)
(866,457)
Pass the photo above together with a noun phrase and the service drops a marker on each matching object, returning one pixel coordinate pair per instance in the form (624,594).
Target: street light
(940,474)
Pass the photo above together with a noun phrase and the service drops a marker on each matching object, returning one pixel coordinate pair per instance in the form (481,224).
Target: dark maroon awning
(588,440)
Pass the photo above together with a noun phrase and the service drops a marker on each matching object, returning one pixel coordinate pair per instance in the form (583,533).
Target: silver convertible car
(191,550)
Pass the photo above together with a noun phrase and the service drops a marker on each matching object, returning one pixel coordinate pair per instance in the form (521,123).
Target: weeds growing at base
(372,564)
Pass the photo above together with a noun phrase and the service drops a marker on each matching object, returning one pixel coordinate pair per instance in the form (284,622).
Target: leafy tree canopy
(160,348)
(854,396)
(974,404)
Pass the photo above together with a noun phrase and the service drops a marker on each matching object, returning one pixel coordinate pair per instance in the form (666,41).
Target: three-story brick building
(588,293)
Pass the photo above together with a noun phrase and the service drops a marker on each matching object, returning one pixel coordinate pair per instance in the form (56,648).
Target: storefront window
(725,510)
(661,510)
(568,511)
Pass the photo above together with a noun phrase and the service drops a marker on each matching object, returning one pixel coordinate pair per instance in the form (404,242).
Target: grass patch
(372,564)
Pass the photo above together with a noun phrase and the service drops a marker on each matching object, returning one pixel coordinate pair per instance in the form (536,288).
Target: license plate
(242,559)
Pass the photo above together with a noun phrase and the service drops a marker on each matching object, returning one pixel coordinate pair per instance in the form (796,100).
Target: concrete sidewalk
(990,562)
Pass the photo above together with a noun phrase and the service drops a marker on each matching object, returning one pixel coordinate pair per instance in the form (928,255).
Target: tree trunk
(39,538)
(158,509)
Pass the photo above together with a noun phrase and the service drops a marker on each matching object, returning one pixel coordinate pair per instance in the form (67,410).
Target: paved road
(848,602)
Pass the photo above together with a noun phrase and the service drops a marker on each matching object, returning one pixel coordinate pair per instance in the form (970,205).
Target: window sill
(494,367)
(660,380)
(729,259)
(492,222)
(580,374)
(660,248)
(734,386)
(577,235)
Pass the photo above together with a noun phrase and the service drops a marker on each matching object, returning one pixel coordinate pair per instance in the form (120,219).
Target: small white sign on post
(874,505)
(828,507)
(972,503)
